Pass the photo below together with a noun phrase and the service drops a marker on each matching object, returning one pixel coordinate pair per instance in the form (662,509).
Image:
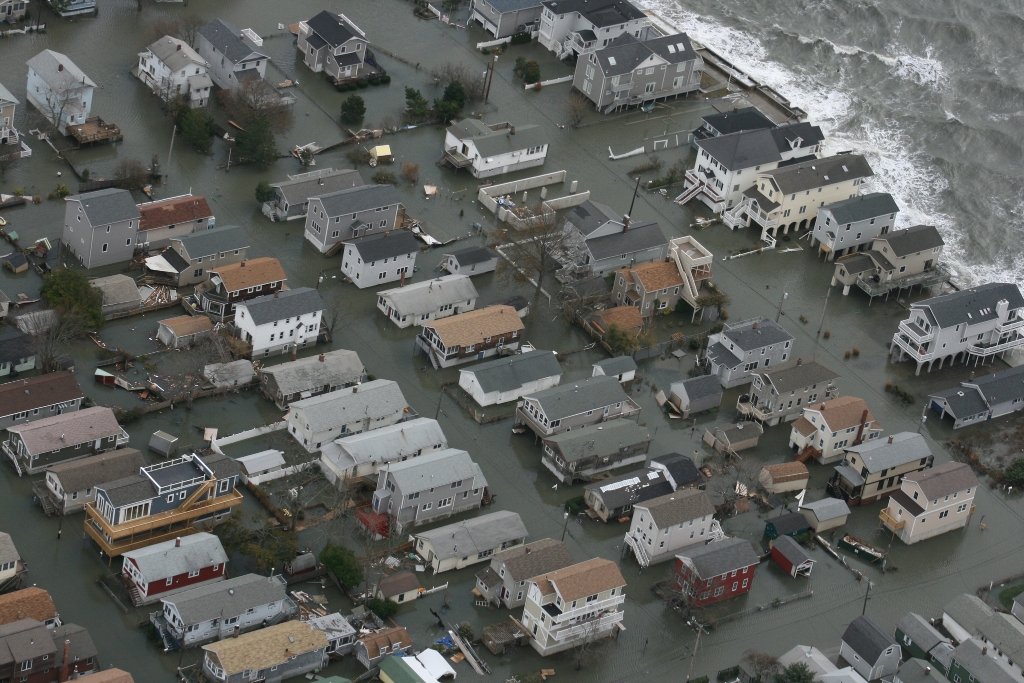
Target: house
(963,616)
(946,490)
(784,477)
(471,260)
(601,254)
(622,368)
(971,324)
(73,7)
(626,318)
(265,320)
(825,514)
(679,470)
(505,18)
(332,44)
(121,296)
(263,466)
(5,306)
(696,394)
(871,651)
(473,335)
(165,219)
(504,581)
(735,353)
(981,398)
(826,429)
(896,260)
(791,556)
(781,395)
(162,502)
(191,257)
(428,301)
(17,354)
(917,638)
(399,587)
(63,652)
(438,484)
(921,671)
(234,56)
(236,373)
(717,571)
(38,397)
(184,330)
(733,438)
(163,569)
(577,603)
(651,287)
(170,67)
(429,666)
(360,456)
(615,498)
(971,659)
(787,197)
(14,10)
(479,538)
(303,567)
(101,227)
(579,454)
(373,647)
(29,603)
(273,654)
(112,675)
(311,376)
(291,197)
(11,566)
(379,258)
(357,211)
(787,524)
(874,470)
(34,446)
(341,635)
(733,121)
(490,149)
(509,378)
(59,90)
(221,610)
(570,28)
(811,657)
(662,526)
(850,225)
(629,71)
(233,283)
(318,420)
(71,485)
(8,102)
(570,406)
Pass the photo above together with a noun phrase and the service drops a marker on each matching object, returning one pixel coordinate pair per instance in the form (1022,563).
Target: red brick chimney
(321,359)
(64,664)
(177,542)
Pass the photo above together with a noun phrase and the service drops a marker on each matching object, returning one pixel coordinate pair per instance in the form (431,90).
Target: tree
(798,672)
(531,72)
(69,292)
(619,339)
(411,172)
(383,177)
(447,110)
(385,609)
(455,93)
(256,100)
(1014,474)
(715,298)
(470,78)
(52,334)
(64,91)
(583,642)
(416,106)
(576,107)
(130,174)
(196,128)
(160,27)
(264,192)
(345,566)
(353,109)
(519,66)
(527,252)
(256,143)
(188,28)
(762,665)
(267,544)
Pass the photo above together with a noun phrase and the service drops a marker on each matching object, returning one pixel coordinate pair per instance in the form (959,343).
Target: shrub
(362,83)
(61,191)
(19,192)
(353,109)
(385,178)
(576,505)
(374,81)
(85,175)
(1014,474)
(264,193)
(531,72)
(385,79)
(410,172)
(385,609)
(521,38)
(70,290)
(343,564)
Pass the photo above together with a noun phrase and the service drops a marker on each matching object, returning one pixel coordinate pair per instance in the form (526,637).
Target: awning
(159,263)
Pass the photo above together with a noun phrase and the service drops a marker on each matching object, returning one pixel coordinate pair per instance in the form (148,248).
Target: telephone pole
(689,674)
(866,594)
(490,78)
(821,324)
(170,152)
(785,295)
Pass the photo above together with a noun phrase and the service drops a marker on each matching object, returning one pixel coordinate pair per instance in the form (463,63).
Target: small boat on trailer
(860,549)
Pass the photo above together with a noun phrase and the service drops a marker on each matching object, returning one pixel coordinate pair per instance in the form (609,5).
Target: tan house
(236,282)
(875,469)
(931,502)
(734,437)
(825,514)
(826,429)
(175,217)
(784,477)
(473,335)
(651,287)
(184,330)
(897,259)
(373,647)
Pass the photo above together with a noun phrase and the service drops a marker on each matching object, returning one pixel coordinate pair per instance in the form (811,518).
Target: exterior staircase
(716,533)
(736,216)
(807,453)
(639,551)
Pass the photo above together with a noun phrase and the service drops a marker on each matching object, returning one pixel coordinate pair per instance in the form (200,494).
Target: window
(104,247)
(193,573)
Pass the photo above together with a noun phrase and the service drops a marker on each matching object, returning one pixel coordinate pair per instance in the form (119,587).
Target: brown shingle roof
(389,637)
(184,325)
(474,327)
(945,479)
(111,676)
(804,426)
(251,273)
(657,275)
(581,580)
(843,412)
(52,433)
(399,583)
(29,603)
(530,559)
(788,471)
(267,647)
(185,209)
(79,475)
(626,317)
(37,392)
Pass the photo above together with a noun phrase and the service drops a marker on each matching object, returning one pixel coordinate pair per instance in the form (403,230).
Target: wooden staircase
(807,453)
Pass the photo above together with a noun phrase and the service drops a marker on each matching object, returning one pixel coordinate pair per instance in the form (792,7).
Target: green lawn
(1007,595)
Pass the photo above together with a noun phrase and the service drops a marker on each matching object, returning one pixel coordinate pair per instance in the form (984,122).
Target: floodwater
(656,642)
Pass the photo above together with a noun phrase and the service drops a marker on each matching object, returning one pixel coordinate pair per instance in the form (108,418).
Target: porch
(95,130)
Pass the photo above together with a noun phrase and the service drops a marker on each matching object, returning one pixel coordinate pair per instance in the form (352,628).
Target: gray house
(781,395)
(362,455)
(579,404)
(101,227)
(291,197)
(695,394)
(571,28)
(622,368)
(423,302)
(208,250)
(316,421)
(311,376)
(471,261)
(332,44)
(632,246)
(735,353)
(869,649)
(380,258)
(234,56)
(121,295)
(38,397)
(918,638)
(357,211)
(614,498)
(509,378)
(504,18)
(982,398)
(33,447)
(504,581)
(17,354)
(579,454)
(475,540)
(489,149)
(850,225)
(73,484)
(896,260)
(294,648)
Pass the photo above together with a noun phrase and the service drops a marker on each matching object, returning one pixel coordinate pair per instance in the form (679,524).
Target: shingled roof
(38,392)
(28,603)
(80,475)
(171,558)
(60,431)
(185,209)
(477,326)
(475,535)
(527,560)
(581,580)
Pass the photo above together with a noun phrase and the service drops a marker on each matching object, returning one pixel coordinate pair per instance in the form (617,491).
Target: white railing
(13,457)
(922,337)
(638,550)
(592,626)
(587,607)
(976,350)
(917,353)
(1010,325)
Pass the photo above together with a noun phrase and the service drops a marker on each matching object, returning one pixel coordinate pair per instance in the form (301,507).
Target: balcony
(916,333)
(994,349)
(591,626)
(1010,325)
(890,521)
(559,617)
(920,353)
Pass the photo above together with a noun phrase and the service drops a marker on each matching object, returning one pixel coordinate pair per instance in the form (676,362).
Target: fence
(247,434)
(493,43)
(459,395)
(553,81)
(487,193)
(657,349)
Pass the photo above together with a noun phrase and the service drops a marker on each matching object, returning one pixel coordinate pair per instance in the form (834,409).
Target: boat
(519,430)
(860,548)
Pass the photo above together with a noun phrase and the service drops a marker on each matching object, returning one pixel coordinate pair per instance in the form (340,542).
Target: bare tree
(64,93)
(130,174)
(188,28)
(334,309)
(579,297)
(160,27)
(376,547)
(576,107)
(764,666)
(188,365)
(582,644)
(52,333)
(471,78)
(411,172)
(528,253)
(255,99)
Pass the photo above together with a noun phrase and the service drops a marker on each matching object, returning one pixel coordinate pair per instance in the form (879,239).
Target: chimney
(60,67)
(755,325)
(984,650)
(177,542)
(355,389)
(242,264)
(890,438)
(179,48)
(625,222)
(64,664)
(276,293)
(527,550)
(799,362)
(321,359)
(735,109)
(927,670)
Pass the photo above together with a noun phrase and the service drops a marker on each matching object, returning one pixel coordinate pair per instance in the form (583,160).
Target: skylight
(611,60)
(845,170)
(672,49)
(680,47)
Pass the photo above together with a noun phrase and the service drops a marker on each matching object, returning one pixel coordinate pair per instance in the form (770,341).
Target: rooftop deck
(95,130)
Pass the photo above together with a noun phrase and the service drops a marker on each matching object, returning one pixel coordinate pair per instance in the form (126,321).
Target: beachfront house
(571,406)
(717,571)
(59,90)
(230,284)
(34,446)
(931,502)
(826,429)
(874,469)
(490,149)
(282,322)
(163,569)
(332,44)
(570,28)
(471,261)
(511,377)
(615,498)
(311,376)
(695,394)
(850,225)
(71,485)
(336,217)
(897,259)
(733,121)
(869,649)
(976,324)
(652,287)
(982,398)
(172,70)
(165,219)
(580,454)
(505,18)
(39,397)
(360,456)
(234,55)
(504,581)
(781,395)
(319,420)
(661,526)
(291,197)
(191,257)
(380,258)
(475,540)
(424,302)
(101,228)
(469,336)
(294,648)
(740,349)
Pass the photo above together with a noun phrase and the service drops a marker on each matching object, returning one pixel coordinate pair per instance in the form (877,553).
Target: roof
(175,53)
(374,399)
(804,426)
(969,611)
(983,667)
(756,334)
(787,471)
(743,149)
(38,391)
(440,467)
(1006,632)
(814,173)
(945,479)
(581,580)
(398,583)
(335,368)
(24,639)
(637,238)
(477,326)
(299,188)
(388,636)
(512,372)
(227,39)
(209,242)
(858,262)
(625,53)
(843,412)
(267,647)
(974,305)
(261,462)
(475,535)
(827,508)
(1000,387)
(678,507)
(171,558)
(491,142)
(48,64)
(631,488)
(720,557)
(130,489)
(527,560)
(791,550)
(6,96)
(913,240)
(626,317)
(28,603)
(680,468)
(334,625)
(617,365)
(589,216)
(87,473)
(82,646)
(387,443)
(383,245)
(513,5)
(799,376)
(602,440)
(656,275)
(186,209)
(697,388)
(230,373)
(357,199)
(251,273)
(8,553)
(921,633)
(867,639)
(53,433)
(898,449)
(862,207)
(199,81)
(789,523)
(184,325)
(117,289)
(112,676)
(333,28)
(103,207)
(226,598)
(471,255)
(745,118)
(429,296)
(600,12)
(578,397)
(401,670)
(288,303)
(919,671)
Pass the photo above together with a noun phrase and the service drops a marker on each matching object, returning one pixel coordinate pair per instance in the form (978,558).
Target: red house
(156,571)
(716,571)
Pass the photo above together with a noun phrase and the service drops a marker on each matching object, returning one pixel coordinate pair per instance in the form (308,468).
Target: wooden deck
(95,130)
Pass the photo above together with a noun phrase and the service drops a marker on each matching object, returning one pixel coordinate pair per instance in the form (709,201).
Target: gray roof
(359,198)
(230,373)
(625,53)
(591,215)
(528,560)
(513,5)
(227,39)
(945,479)
(264,461)
(984,668)
(333,29)
(791,550)
(209,242)
(678,507)
(788,523)
(745,118)
(47,64)
(81,647)
(494,142)
(103,207)
(512,372)
(720,557)
(921,633)
(6,96)
(430,295)
(52,433)
(858,262)
(227,598)
(969,611)
(371,400)
(637,238)
(748,337)
(849,474)
(578,397)
(867,639)
(287,303)
(814,173)
(130,489)
(117,289)
(913,240)
(383,245)
(862,207)
(967,306)
(764,145)
(221,465)
(919,671)
(799,376)
(680,468)
(617,366)
(298,189)
(880,454)
(25,639)
(335,368)
(475,535)
(827,508)
(631,488)
(1000,387)
(175,53)
(393,442)
(170,558)
(8,553)
(437,468)
(602,440)
(1006,632)
(601,13)
(962,401)
(471,255)
(697,388)
(87,473)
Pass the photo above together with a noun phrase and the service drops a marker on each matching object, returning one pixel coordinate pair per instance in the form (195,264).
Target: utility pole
(229,160)
(565,524)
(866,594)
(689,674)
(821,324)
(635,190)
(490,77)
(170,152)
(440,395)
(785,295)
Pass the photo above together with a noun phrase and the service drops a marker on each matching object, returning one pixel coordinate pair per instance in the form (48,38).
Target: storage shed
(163,443)
(183,330)
(263,466)
(622,368)
(399,587)
(734,438)
(791,556)
(696,394)
(120,295)
(237,373)
(784,477)
(789,524)
(15,262)
(826,513)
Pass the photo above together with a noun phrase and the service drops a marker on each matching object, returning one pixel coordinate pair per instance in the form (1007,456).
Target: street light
(565,525)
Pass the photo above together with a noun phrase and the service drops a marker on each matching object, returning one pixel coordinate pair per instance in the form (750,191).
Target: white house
(572,27)
(826,429)
(622,368)
(59,90)
(319,420)
(280,322)
(424,302)
(931,502)
(851,225)
(494,149)
(233,55)
(465,543)
(379,258)
(510,378)
(661,526)
(170,67)
(361,455)
(471,261)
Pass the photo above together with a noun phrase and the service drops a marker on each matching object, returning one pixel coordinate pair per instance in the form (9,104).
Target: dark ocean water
(932,91)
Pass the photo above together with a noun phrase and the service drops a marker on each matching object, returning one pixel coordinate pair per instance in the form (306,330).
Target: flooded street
(656,642)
